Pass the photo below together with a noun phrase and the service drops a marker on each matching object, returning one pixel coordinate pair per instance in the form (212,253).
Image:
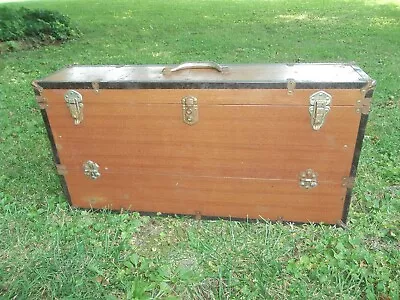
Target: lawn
(49,250)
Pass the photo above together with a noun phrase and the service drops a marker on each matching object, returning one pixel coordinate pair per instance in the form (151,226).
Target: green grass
(48,250)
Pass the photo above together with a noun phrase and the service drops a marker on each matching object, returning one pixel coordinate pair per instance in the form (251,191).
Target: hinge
(96,87)
(61,169)
(348,182)
(308,179)
(190,110)
(75,104)
(363,106)
(320,105)
(291,85)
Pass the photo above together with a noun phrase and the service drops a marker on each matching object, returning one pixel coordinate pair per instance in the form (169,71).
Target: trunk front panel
(241,159)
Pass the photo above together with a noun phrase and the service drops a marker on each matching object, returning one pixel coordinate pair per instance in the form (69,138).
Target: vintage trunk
(272,141)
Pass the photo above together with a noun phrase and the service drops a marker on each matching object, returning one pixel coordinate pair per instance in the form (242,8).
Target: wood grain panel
(234,141)
(241,198)
(238,160)
(215,96)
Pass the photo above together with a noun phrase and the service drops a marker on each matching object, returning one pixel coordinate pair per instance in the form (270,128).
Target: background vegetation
(24,28)
(49,250)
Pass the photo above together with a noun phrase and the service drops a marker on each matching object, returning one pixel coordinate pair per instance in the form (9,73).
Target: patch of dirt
(160,233)
(12,46)
(146,233)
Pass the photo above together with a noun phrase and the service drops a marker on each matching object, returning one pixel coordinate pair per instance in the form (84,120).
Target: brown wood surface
(214,96)
(238,160)
(229,197)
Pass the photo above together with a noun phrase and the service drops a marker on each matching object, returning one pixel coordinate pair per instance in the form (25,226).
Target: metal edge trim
(56,72)
(56,157)
(337,63)
(200,85)
(360,72)
(354,164)
(50,136)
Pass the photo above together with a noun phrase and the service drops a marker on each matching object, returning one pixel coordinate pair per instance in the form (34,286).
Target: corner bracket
(363,106)
(42,101)
(37,87)
(61,169)
(348,182)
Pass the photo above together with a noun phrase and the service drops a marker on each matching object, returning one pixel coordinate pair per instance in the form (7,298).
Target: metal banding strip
(50,136)
(200,85)
(369,94)
(354,164)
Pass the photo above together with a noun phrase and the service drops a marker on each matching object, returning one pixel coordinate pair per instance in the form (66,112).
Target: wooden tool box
(273,141)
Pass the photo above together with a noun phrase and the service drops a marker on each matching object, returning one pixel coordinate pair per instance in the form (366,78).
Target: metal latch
(75,104)
(190,110)
(319,107)
(308,179)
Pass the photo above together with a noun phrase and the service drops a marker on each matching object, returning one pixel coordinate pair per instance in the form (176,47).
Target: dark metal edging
(354,164)
(368,93)
(199,85)
(56,158)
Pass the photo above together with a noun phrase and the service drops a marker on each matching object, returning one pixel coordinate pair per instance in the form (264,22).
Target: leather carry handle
(196,65)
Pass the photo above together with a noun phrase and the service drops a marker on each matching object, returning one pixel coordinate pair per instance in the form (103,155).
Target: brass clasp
(190,110)
(75,104)
(319,107)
